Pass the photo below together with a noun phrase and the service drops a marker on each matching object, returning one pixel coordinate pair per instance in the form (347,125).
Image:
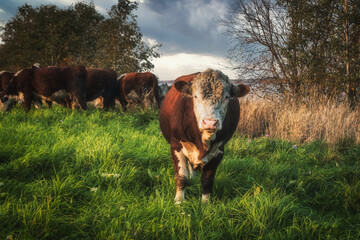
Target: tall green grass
(108,175)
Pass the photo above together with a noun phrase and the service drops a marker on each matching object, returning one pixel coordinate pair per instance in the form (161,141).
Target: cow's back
(136,87)
(137,81)
(75,78)
(47,80)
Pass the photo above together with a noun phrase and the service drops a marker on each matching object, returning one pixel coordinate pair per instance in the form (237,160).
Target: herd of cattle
(74,86)
(197,117)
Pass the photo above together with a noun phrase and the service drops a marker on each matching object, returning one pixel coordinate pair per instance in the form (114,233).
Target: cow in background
(10,101)
(51,84)
(138,88)
(101,83)
(163,90)
(198,117)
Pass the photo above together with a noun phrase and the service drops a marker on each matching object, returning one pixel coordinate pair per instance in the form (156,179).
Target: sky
(191,37)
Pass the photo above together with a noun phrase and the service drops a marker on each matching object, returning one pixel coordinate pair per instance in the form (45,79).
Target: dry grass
(332,123)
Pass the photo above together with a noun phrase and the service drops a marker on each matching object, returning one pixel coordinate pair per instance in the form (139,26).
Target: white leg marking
(180,196)
(205,198)
(183,172)
(37,104)
(21,96)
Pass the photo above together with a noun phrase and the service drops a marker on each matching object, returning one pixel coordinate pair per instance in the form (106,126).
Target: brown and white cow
(101,83)
(10,101)
(51,84)
(198,117)
(138,88)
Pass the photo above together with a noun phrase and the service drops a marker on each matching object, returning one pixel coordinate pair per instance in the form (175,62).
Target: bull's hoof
(180,197)
(205,198)
(179,201)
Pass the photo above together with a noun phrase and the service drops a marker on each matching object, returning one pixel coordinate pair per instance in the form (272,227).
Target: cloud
(185,25)
(150,42)
(180,25)
(170,67)
(191,38)
(10,6)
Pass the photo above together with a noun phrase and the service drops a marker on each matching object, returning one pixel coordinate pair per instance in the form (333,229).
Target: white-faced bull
(198,117)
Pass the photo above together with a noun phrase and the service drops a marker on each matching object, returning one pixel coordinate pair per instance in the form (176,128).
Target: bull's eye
(195,96)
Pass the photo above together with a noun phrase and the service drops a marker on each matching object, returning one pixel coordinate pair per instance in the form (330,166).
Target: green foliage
(76,35)
(120,44)
(303,50)
(109,175)
(322,46)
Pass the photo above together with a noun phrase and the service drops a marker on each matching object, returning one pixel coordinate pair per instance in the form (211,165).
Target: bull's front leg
(208,176)
(181,173)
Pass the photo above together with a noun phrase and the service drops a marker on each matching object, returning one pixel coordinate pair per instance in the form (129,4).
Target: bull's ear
(183,87)
(239,90)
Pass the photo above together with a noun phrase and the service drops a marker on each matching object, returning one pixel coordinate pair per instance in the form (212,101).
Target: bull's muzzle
(210,125)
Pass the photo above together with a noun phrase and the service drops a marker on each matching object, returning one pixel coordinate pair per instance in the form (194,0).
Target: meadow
(68,174)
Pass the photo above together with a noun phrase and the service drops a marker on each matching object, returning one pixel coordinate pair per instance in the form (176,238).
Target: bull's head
(211,91)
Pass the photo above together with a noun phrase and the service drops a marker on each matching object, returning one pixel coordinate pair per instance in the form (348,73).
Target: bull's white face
(211,91)
(210,107)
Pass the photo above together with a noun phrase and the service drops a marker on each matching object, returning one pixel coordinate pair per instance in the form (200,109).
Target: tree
(298,49)
(120,43)
(16,36)
(349,18)
(82,43)
(257,30)
(50,36)
(76,35)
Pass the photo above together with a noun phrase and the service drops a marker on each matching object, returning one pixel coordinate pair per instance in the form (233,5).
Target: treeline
(301,50)
(78,34)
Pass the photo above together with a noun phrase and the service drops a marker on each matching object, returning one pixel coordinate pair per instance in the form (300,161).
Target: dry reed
(330,122)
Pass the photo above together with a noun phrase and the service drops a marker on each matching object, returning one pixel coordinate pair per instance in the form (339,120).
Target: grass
(334,123)
(107,175)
